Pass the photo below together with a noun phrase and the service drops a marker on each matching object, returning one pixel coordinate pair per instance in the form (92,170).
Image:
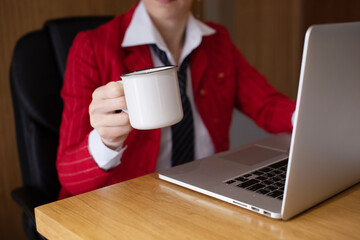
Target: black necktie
(182,132)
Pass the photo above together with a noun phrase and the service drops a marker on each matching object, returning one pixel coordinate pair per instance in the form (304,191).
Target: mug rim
(148,71)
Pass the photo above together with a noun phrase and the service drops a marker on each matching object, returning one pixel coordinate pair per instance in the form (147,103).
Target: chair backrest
(36,78)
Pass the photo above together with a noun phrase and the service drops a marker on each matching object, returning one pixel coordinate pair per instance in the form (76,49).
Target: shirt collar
(141,31)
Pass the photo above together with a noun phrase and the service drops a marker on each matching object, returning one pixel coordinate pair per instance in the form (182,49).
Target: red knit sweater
(221,79)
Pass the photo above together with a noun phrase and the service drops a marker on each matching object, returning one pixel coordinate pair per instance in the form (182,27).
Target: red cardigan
(221,79)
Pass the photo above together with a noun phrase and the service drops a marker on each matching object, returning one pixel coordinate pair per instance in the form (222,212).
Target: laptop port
(267,213)
(255,209)
(240,204)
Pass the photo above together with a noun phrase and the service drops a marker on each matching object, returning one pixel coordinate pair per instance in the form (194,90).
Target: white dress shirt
(141,31)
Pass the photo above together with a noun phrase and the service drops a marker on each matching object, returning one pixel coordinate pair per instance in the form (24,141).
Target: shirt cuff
(104,157)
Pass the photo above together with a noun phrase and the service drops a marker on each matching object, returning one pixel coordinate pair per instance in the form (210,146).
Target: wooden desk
(149,208)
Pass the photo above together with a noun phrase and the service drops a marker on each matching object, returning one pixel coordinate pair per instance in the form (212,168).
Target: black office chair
(36,77)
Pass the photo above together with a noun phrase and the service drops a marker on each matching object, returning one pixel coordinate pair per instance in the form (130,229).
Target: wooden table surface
(149,208)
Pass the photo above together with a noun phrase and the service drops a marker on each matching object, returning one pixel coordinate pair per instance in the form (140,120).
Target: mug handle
(124,110)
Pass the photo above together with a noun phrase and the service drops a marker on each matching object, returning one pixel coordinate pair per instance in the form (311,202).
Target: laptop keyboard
(269,180)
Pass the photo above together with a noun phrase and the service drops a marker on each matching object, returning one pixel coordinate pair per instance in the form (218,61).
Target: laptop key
(284,168)
(261,178)
(269,175)
(272,187)
(255,187)
(277,172)
(230,181)
(248,183)
(241,179)
(280,164)
(275,179)
(267,182)
(279,184)
(266,169)
(259,173)
(263,191)
(275,194)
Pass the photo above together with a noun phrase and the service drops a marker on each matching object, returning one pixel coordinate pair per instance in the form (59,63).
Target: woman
(98,147)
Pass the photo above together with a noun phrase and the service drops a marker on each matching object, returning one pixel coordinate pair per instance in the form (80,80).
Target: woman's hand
(112,124)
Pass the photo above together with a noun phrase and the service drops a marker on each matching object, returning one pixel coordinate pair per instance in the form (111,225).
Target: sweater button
(203,92)
(220,78)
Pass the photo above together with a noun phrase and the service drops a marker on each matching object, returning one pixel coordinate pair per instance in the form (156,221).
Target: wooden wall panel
(267,34)
(271,33)
(330,11)
(18,17)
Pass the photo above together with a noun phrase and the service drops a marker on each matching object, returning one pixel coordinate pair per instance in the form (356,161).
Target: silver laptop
(283,175)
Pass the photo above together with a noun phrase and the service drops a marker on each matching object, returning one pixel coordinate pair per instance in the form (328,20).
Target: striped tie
(182,132)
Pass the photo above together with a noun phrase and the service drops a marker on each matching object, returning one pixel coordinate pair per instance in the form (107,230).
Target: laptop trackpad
(252,155)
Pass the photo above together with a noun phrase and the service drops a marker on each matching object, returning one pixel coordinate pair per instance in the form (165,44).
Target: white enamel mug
(153,97)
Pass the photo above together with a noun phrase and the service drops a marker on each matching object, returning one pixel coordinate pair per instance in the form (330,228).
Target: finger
(110,120)
(108,91)
(112,133)
(107,106)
